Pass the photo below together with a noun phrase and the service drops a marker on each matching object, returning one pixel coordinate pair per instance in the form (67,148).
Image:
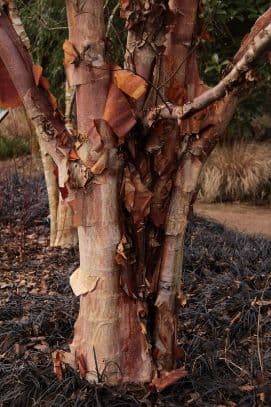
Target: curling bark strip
(257,47)
(200,144)
(18,65)
(178,65)
(131,188)
(108,333)
(259,44)
(62,232)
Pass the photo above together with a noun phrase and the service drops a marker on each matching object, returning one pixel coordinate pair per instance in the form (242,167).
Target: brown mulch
(225,325)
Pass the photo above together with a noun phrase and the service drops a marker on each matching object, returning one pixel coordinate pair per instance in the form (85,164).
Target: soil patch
(245,218)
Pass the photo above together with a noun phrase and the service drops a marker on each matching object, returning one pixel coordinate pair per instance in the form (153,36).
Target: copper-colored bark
(108,332)
(131,191)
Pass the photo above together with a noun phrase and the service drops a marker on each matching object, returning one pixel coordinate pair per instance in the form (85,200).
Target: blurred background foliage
(46,25)
(226,23)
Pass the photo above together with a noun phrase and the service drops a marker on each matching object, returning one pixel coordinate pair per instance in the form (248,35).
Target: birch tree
(130,171)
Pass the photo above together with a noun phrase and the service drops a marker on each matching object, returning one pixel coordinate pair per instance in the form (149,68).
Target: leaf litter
(224,330)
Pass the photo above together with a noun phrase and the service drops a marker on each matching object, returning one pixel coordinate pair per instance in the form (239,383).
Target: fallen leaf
(42,347)
(247,387)
(18,348)
(262,397)
(194,397)
(169,378)
(22,283)
(57,365)
(262,302)
(81,366)
(5,285)
(235,318)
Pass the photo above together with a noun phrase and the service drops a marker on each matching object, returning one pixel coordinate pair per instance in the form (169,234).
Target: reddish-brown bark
(131,187)
(108,331)
(62,232)
(35,98)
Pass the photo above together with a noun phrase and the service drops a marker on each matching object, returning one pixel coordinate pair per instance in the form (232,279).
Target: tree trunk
(69,107)
(131,182)
(62,231)
(114,345)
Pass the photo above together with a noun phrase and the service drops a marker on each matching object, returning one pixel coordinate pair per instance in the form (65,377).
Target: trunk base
(114,350)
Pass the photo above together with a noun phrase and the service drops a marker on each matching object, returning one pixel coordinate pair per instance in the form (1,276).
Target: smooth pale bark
(106,331)
(181,206)
(67,235)
(69,106)
(62,232)
(52,190)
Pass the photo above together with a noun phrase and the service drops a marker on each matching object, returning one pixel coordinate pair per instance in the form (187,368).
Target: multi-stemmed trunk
(130,172)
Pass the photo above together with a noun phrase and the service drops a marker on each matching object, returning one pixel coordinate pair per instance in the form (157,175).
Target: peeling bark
(62,232)
(131,187)
(108,332)
(69,105)
(145,43)
(179,73)
(52,190)
(259,44)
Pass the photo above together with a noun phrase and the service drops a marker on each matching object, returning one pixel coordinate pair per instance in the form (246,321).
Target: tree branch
(258,46)
(111,18)
(17,23)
